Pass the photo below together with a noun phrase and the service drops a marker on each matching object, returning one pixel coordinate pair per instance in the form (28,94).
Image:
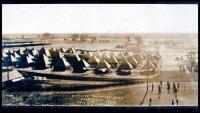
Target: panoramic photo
(99,55)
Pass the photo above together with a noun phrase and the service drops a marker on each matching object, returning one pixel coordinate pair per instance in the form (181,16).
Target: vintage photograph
(137,55)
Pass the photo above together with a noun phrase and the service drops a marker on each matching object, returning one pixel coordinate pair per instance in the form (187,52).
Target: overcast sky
(100,18)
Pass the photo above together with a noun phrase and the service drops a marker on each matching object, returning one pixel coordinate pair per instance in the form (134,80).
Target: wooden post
(147,72)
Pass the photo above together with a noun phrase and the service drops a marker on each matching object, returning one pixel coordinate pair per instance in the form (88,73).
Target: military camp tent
(44,51)
(143,54)
(93,61)
(103,67)
(105,56)
(81,66)
(125,68)
(31,56)
(20,51)
(150,67)
(25,61)
(4,55)
(85,55)
(113,61)
(153,60)
(10,52)
(138,57)
(70,50)
(126,53)
(63,50)
(132,61)
(52,50)
(11,61)
(34,52)
(42,62)
(112,54)
(16,55)
(60,64)
(120,57)
(97,54)
(73,60)
(56,54)
(156,57)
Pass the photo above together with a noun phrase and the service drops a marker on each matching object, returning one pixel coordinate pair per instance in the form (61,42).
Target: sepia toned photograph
(137,55)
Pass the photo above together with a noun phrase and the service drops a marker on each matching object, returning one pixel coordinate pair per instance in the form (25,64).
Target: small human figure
(161,82)
(177,101)
(175,92)
(172,102)
(174,87)
(152,87)
(178,86)
(150,101)
(168,87)
(159,91)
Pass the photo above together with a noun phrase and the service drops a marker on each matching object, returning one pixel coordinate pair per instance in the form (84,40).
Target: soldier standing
(178,86)
(152,87)
(150,101)
(177,101)
(159,91)
(172,102)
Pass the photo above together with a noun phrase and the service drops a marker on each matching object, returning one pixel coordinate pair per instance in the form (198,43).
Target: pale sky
(100,18)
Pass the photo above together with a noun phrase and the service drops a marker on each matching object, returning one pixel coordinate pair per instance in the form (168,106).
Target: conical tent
(56,54)
(103,67)
(25,61)
(105,56)
(83,52)
(151,69)
(62,50)
(34,52)
(10,52)
(73,60)
(97,54)
(11,61)
(52,50)
(81,66)
(143,54)
(30,56)
(71,50)
(42,62)
(4,55)
(17,56)
(103,64)
(138,58)
(156,56)
(27,50)
(132,61)
(20,51)
(120,57)
(113,61)
(153,60)
(93,61)
(150,66)
(125,65)
(112,54)
(6,50)
(85,55)
(61,65)
(44,51)
(126,53)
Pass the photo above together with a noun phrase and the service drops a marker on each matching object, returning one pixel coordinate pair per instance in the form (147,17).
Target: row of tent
(82,61)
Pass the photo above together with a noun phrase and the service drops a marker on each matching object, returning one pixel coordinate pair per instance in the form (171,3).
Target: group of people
(175,91)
